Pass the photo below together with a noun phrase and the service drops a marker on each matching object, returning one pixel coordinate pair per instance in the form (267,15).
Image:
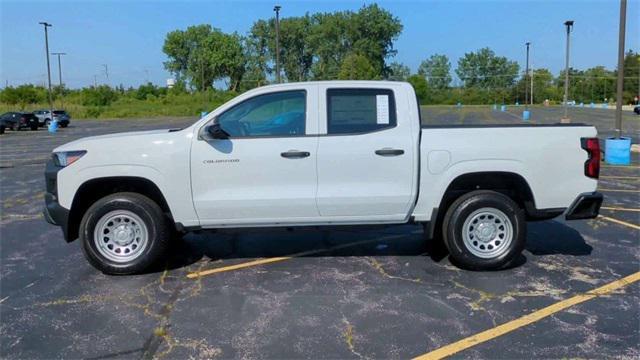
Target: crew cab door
(367,157)
(266,171)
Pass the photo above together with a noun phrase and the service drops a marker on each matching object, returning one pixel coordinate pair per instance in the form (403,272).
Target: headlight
(67,158)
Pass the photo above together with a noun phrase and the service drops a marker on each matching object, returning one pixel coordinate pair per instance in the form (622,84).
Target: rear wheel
(484,230)
(2,129)
(124,233)
(34,127)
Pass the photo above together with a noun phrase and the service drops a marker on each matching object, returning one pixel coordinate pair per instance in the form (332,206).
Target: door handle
(295,154)
(389,152)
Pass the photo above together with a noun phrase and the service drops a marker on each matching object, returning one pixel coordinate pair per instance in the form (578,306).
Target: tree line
(356,45)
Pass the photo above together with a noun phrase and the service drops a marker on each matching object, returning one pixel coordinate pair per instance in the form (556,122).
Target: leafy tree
(398,72)
(631,75)
(483,69)
(420,86)
(204,54)
(437,70)
(357,67)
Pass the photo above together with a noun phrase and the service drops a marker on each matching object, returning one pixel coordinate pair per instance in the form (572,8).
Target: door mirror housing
(215,131)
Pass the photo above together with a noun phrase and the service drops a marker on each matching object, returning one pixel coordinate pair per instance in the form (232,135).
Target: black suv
(17,120)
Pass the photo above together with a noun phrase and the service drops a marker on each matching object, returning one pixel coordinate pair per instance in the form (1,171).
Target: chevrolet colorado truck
(321,153)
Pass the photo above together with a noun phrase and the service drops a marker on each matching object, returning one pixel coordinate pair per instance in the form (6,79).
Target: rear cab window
(359,111)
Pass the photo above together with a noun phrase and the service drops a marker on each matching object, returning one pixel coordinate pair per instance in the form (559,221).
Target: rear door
(367,160)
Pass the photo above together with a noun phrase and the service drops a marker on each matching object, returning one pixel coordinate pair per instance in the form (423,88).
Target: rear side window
(356,111)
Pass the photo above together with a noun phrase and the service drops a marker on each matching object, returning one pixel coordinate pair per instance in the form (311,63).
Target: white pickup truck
(321,153)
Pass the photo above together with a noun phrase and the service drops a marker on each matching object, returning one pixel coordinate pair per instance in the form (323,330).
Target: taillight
(592,165)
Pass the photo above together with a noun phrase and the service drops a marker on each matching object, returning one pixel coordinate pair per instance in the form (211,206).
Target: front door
(266,171)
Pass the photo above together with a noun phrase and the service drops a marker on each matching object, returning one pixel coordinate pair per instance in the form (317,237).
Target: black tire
(1,129)
(34,127)
(64,125)
(148,211)
(468,206)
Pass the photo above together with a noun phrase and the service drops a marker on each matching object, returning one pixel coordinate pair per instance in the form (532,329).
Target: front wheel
(124,233)
(484,230)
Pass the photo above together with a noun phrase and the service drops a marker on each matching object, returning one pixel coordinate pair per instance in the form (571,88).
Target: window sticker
(382,109)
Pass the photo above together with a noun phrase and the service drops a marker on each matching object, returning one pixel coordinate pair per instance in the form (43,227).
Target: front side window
(356,111)
(276,114)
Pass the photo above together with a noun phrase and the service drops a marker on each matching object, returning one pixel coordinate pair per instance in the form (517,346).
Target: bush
(102,95)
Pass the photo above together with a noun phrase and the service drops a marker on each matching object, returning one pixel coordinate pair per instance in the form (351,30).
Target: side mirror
(215,131)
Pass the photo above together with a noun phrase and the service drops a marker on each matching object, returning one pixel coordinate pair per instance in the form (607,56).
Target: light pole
(46,43)
(277,10)
(526,74)
(569,25)
(620,85)
(60,75)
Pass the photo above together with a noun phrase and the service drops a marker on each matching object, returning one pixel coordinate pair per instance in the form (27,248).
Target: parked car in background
(637,109)
(44,117)
(17,120)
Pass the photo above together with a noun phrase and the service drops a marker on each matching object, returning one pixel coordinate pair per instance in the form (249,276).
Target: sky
(128,36)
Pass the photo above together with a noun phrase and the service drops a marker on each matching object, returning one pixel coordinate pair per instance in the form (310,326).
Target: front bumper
(53,212)
(586,206)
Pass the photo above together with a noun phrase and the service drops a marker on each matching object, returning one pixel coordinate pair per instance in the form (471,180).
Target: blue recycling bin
(617,151)
(592,105)
(53,126)
(503,107)
(605,105)
(459,105)
(526,115)
(495,107)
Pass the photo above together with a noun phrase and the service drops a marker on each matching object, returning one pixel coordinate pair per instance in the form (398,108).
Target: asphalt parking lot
(320,293)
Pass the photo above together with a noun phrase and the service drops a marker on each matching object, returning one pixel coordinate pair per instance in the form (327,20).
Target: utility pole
(106,72)
(526,74)
(95,81)
(619,89)
(60,76)
(277,10)
(565,119)
(46,42)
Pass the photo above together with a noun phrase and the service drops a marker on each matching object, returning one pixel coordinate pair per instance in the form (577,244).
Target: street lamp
(620,84)
(60,75)
(277,10)
(526,75)
(46,42)
(569,25)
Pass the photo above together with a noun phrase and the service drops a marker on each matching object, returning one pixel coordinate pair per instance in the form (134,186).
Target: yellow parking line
(197,274)
(620,222)
(512,325)
(621,177)
(620,166)
(620,190)
(619,209)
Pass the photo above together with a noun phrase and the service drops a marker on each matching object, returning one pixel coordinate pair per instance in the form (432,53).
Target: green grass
(128,107)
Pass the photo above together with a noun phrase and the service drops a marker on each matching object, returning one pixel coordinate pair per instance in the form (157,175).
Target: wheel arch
(94,189)
(511,184)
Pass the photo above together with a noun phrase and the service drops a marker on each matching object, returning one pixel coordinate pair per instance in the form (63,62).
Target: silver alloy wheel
(487,233)
(120,236)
